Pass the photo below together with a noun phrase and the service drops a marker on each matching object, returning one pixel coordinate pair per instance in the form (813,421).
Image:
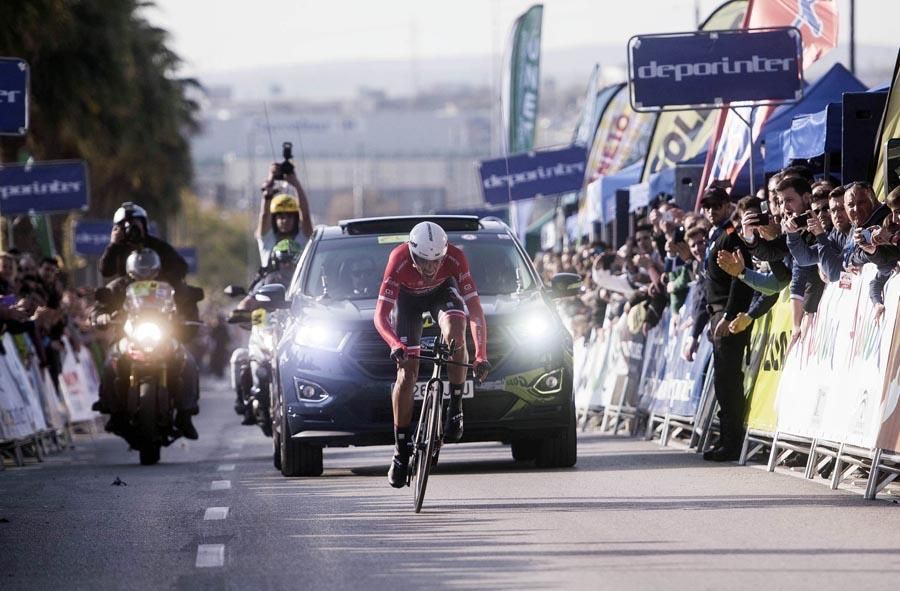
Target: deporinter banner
(524,80)
(890,128)
(13,96)
(675,71)
(817,21)
(534,174)
(681,135)
(43,187)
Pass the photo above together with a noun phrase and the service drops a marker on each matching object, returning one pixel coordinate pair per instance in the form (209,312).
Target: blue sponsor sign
(533,174)
(13,96)
(189,254)
(91,237)
(43,187)
(706,69)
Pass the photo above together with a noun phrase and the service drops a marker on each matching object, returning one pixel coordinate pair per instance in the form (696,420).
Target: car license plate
(468,389)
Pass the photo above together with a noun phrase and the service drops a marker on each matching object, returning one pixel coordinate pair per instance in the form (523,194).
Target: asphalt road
(216,515)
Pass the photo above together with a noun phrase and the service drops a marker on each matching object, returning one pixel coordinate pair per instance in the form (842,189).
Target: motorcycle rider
(133,254)
(282,262)
(281,215)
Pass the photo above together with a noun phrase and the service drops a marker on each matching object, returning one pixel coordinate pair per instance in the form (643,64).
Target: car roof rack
(403,224)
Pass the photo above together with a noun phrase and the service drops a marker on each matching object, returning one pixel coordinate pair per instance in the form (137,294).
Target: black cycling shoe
(183,423)
(397,471)
(453,430)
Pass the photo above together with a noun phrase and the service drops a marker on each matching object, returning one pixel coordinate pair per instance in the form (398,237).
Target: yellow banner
(763,415)
(890,128)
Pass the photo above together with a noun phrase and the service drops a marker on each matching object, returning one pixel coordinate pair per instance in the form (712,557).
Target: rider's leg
(453,327)
(402,402)
(187,395)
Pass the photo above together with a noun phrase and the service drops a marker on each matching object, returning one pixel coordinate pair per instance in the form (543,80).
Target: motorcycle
(149,357)
(251,367)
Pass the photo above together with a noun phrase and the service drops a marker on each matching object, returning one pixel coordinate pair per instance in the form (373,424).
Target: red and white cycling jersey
(400,274)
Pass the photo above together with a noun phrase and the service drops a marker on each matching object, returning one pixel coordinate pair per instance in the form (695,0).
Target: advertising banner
(91,237)
(771,339)
(711,68)
(817,21)
(681,135)
(533,174)
(14,96)
(834,376)
(524,80)
(621,137)
(77,390)
(43,187)
(889,432)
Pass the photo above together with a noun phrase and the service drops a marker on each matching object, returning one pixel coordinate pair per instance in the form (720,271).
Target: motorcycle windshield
(150,295)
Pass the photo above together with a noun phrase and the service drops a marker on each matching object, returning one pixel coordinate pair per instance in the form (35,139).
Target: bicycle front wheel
(426,440)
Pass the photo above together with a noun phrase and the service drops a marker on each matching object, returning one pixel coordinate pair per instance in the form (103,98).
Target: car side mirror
(565,285)
(271,297)
(235,291)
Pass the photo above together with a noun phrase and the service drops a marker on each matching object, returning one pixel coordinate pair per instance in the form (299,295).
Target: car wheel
(525,450)
(560,451)
(276,450)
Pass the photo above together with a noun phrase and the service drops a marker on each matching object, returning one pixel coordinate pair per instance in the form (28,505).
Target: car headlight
(319,334)
(533,328)
(310,391)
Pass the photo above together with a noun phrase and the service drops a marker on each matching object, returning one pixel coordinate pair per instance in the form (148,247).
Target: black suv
(333,372)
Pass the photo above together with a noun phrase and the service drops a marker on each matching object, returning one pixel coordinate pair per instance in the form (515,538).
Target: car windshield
(352,267)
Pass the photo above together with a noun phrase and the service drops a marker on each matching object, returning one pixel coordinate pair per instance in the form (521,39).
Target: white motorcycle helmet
(427,242)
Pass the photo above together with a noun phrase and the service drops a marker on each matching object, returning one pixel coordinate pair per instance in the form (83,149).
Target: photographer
(130,233)
(281,215)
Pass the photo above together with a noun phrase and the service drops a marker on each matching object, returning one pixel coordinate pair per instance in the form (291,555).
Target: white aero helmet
(129,209)
(428,241)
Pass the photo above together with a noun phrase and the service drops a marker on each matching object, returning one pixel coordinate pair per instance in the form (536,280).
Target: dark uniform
(726,297)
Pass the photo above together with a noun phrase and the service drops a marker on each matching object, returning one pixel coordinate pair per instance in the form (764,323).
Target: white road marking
(210,555)
(220,485)
(215,513)
(225,468)
(231,456)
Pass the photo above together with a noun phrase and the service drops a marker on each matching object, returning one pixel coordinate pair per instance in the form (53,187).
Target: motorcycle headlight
(319,334)
(146,334)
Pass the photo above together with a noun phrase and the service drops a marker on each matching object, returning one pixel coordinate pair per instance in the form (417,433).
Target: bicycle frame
(429,435)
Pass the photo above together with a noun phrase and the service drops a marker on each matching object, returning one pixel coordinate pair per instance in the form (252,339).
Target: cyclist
(426,274)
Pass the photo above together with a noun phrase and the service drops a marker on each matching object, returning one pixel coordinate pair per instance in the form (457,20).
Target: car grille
(373,356)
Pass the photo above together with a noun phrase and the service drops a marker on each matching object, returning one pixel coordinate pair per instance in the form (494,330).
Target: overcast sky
(221,36)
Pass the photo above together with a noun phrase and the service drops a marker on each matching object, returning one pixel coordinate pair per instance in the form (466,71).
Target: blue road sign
(91,237)
(13,96)
(711,68)
(532,174)
(43,187)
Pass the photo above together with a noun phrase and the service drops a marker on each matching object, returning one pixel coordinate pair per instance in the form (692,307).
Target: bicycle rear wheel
(426,440)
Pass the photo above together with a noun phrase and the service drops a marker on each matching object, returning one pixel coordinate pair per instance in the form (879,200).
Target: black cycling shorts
(445,299)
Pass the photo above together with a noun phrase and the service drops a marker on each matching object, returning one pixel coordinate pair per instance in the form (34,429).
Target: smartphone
(763,214)
(801,220)
(867,236)
(679,235)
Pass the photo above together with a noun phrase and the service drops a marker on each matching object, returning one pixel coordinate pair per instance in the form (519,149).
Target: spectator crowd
(798,232)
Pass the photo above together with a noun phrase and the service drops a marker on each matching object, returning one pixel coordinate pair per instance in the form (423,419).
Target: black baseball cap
(714,197)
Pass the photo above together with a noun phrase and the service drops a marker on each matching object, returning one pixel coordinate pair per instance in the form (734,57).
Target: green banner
(524,80)
(681,135)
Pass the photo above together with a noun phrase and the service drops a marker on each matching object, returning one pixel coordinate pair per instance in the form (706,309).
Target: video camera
(286,166)
(134,235)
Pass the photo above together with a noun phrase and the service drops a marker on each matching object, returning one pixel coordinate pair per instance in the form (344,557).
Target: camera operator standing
(282,216)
